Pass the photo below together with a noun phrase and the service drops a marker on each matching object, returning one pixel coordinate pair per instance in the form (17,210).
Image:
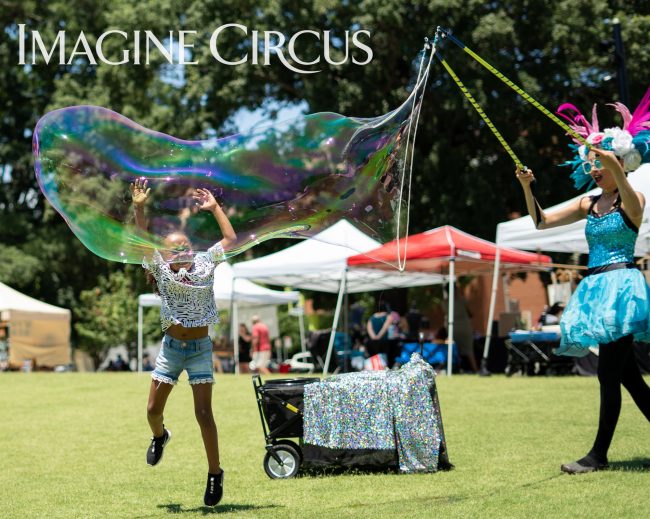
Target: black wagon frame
(283,455)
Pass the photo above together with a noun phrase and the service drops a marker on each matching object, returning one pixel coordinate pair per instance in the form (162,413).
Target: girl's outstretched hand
(205,199)
(139,192)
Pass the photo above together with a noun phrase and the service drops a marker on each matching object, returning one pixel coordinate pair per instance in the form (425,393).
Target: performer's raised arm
(542,220)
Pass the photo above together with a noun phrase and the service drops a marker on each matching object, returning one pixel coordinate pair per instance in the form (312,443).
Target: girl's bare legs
(203,411)
(158,394)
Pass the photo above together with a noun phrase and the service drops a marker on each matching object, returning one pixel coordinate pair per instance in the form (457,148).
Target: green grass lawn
(73,445)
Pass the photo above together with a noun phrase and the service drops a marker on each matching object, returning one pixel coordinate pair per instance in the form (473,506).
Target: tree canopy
(558,51)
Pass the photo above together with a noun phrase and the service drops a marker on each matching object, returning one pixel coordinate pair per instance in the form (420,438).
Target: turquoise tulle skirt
(604,308)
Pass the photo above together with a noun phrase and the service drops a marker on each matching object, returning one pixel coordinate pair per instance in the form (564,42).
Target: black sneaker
(155,450)
(584,466)
(213,489)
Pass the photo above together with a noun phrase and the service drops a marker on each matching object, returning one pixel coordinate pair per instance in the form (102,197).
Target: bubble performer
(611,305)
(185,282)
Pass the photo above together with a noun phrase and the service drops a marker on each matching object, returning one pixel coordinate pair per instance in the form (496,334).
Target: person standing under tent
(377,328)
(463,331)
(4,348)
(261,346)
(184,281)
(356,323)
(413,318)
(611,305)
(245,342)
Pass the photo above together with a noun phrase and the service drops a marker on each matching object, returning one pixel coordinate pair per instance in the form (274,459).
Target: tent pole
(450,314)
(346,328)
(337,312)
(493,299)
(234,326)
(301,325)
(140,319)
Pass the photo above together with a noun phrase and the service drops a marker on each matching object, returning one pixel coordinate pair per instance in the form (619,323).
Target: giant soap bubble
(290,179)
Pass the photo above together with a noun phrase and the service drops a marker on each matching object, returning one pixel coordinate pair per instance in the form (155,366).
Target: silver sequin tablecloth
(382,411)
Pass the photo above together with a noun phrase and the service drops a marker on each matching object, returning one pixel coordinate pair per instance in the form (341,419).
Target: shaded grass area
(73,445)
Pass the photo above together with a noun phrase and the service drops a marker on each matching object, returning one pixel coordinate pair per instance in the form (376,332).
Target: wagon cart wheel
(293,444)
(285,466)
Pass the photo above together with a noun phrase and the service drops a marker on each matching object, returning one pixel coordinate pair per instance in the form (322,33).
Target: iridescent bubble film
(290,179)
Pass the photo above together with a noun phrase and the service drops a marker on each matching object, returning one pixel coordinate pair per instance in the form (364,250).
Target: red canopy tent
(448,251)
(437,249)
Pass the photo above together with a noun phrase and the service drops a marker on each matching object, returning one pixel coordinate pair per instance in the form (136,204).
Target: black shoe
(583,466)
(155,450)
(213,489)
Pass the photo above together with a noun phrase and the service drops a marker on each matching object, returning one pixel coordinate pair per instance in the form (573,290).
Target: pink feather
(579,122)
(641,116)
(594,120)
(625,113)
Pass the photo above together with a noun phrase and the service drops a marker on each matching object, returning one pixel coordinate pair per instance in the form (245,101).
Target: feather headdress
(631,143)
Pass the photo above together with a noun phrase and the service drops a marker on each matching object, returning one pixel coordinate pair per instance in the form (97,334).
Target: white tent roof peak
(345,235)
(319,263)
(324,252)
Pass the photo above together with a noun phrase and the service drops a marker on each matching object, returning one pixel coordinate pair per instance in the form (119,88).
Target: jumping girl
(184,281)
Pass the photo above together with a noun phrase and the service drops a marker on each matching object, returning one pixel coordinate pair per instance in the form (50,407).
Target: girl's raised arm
(208,203)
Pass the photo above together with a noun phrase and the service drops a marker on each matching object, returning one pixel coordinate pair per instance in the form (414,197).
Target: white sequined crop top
(187,295)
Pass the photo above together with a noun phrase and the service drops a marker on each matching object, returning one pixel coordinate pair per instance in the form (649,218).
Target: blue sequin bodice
(610,239)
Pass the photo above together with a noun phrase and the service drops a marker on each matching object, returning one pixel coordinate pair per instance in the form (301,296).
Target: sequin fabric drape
(381,410)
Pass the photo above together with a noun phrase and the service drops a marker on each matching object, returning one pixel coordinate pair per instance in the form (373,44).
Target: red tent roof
(432,250)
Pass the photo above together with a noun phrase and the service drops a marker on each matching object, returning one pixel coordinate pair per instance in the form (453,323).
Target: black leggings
(617,365)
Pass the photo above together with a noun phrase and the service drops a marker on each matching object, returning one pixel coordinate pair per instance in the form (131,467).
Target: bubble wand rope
(415,100)
(412,129)
(446,33)
(482,113)
(493,128)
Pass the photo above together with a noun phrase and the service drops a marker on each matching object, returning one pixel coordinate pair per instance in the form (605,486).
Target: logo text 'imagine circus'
(177,48)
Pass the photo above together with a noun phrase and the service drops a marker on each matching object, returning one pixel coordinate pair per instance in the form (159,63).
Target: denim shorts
(194,356)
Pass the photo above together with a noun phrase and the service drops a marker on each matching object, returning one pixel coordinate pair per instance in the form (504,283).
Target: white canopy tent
(320,263)
(521,234)
(232,293)
(37,331)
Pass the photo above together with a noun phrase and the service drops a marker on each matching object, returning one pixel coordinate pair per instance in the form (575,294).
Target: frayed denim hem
(206,380)
(163,378)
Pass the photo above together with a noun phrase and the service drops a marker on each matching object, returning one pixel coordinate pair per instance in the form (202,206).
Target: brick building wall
(529,293)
